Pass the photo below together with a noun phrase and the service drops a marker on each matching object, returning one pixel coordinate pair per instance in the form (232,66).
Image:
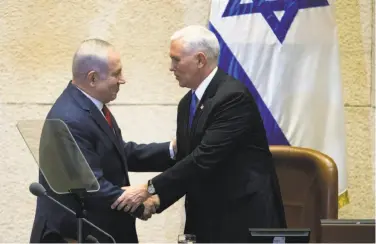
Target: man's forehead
(113,54)
(177,48)
(114,59)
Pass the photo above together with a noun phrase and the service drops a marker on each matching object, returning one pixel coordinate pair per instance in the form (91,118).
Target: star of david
(267,8)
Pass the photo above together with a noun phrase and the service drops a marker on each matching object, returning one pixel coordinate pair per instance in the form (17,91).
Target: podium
(61,162)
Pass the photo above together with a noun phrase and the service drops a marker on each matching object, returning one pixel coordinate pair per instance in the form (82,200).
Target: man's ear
(201,60)
(92,77)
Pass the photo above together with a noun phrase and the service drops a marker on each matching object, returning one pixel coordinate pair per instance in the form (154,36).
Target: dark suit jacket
(224,166)
(109,157)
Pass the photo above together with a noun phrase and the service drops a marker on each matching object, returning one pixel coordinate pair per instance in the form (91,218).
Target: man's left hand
(132,197)
(174,146)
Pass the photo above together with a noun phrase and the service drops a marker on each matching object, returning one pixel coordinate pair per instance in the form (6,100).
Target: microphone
(91,239)
(38,190)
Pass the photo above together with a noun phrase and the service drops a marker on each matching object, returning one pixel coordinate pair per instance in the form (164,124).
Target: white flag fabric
(287,54)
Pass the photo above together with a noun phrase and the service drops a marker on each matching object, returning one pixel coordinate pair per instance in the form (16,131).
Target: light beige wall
(373,80)
(36,46)
(354,21)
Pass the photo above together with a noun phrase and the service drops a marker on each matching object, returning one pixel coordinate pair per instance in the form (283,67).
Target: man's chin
(182,84)
(113,97)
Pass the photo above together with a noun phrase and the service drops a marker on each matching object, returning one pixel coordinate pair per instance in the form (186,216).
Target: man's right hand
(151,206)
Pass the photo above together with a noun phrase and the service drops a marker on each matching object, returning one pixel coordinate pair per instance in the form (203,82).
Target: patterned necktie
(107,115)
(192,109)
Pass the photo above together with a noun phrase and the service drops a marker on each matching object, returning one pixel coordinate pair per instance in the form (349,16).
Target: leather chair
(309,186)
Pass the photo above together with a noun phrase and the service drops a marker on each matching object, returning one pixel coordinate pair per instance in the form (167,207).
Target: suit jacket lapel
(101,121)
(195,119)
(208,94)
(183,121)
(97,116)
(119,139)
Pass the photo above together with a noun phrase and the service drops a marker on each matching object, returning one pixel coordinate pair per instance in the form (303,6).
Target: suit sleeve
(231,120)
(153,157)
(108,192)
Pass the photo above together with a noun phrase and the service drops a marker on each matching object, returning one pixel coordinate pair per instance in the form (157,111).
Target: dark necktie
(192,108)
(107,115)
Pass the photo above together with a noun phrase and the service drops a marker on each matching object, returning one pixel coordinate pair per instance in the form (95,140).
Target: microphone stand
(79,195)
(80,214)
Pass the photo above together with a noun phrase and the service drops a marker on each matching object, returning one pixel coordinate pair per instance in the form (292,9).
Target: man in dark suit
(224,165)
(97,76)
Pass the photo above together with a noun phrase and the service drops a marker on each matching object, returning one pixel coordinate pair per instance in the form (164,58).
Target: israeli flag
(286,52)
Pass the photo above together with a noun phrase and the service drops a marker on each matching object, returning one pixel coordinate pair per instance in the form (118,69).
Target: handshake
(151,205)
(133,197)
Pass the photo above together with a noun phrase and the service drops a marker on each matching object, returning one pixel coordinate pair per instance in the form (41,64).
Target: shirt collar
(96,102)
(204,84)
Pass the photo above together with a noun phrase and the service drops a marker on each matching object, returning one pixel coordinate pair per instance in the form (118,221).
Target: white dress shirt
(96,102)
(204,84)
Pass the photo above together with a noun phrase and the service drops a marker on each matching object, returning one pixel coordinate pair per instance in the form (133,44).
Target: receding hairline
(198,38)
(92,54)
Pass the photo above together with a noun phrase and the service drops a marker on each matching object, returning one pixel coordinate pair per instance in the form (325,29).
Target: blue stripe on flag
(230,65)
(268,8)
(235,7)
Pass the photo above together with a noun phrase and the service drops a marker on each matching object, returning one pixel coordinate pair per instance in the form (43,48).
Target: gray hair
(198,38)
(92,55)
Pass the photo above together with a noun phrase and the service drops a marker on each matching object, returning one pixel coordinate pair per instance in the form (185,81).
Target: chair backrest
(309,186)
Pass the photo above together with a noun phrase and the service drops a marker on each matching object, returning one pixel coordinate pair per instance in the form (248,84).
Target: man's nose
(172,67)
(122,80)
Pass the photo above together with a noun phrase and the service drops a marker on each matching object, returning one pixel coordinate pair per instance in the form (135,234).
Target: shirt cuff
(172,153)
